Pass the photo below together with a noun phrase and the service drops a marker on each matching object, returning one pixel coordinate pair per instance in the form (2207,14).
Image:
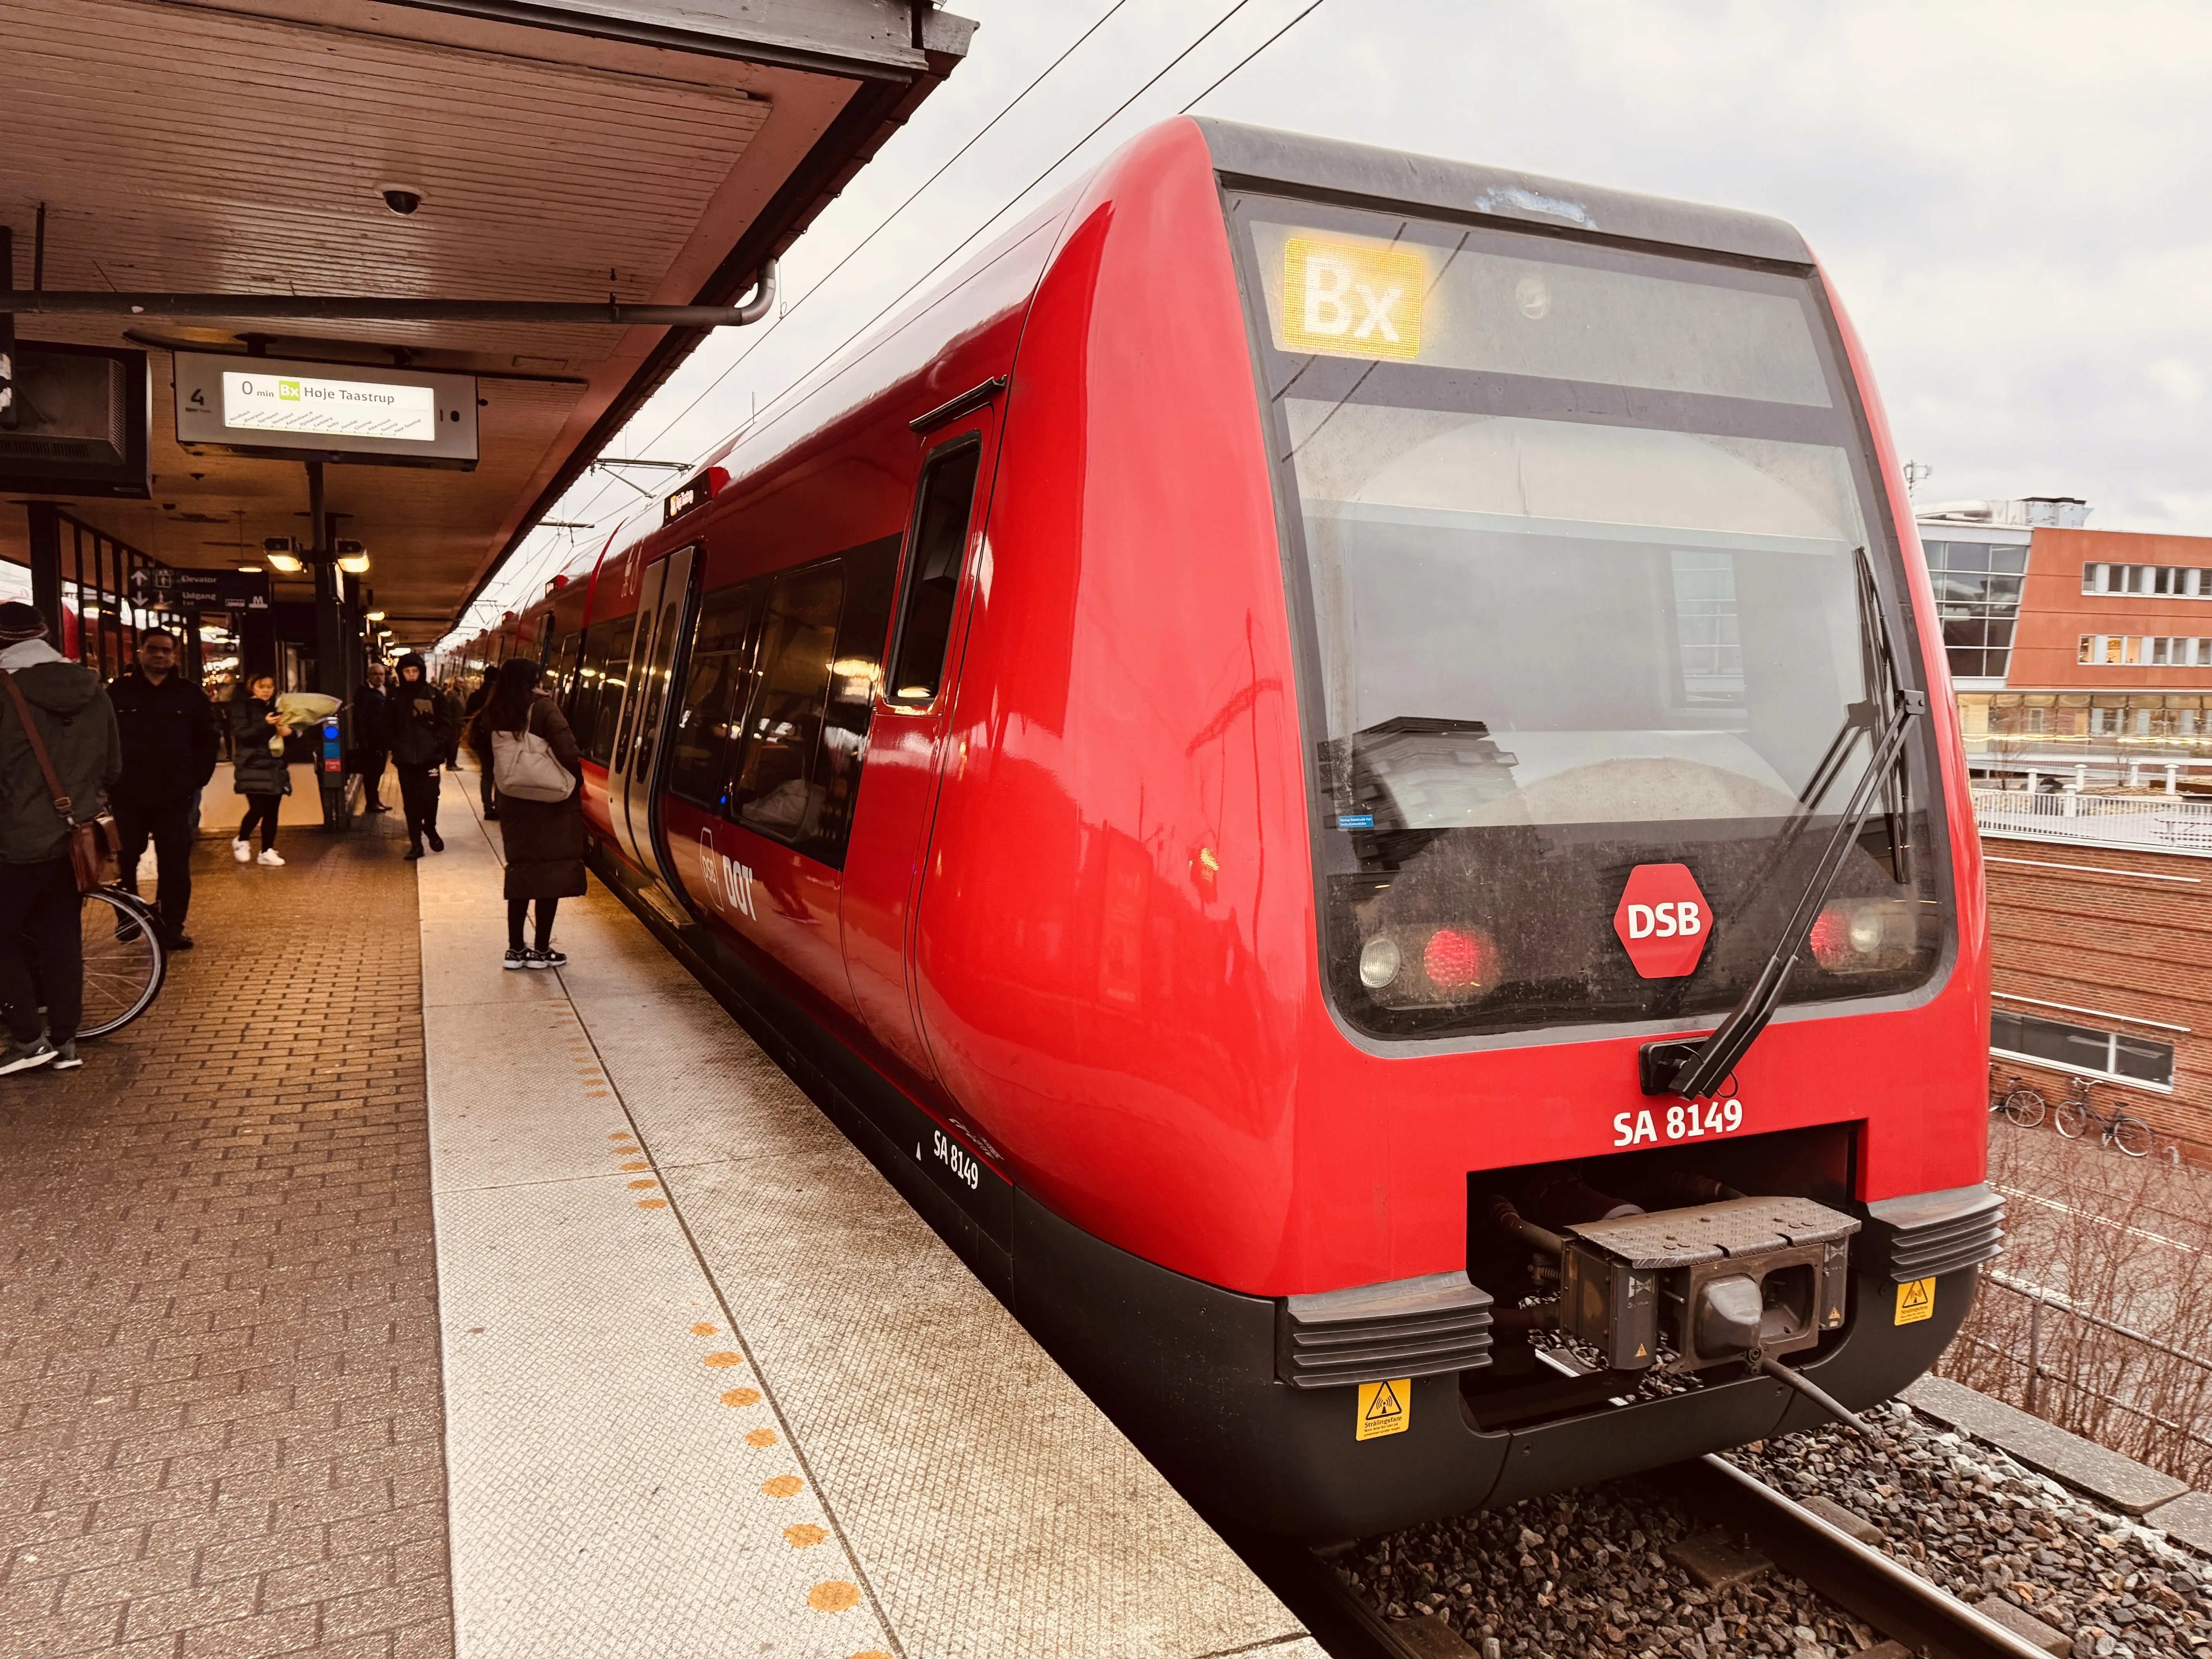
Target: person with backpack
(420,724)
(259,772)
(54,716)
(526,749)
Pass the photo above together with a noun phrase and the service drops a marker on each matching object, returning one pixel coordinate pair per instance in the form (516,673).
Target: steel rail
(1861,1581)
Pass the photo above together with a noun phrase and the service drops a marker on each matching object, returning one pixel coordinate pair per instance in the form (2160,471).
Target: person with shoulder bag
(55,718)
(530,754)
(259,771)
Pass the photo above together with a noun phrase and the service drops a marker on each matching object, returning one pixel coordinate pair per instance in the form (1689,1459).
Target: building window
(2083,1049)
(2163,581)
(2149,650)
(1977,594)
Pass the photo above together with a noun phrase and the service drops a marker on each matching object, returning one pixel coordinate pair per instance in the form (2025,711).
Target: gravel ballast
(1584,1572)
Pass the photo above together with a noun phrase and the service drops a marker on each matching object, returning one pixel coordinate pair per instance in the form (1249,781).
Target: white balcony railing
(2156,823)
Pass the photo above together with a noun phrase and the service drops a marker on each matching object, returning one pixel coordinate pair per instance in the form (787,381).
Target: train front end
(1638,1103)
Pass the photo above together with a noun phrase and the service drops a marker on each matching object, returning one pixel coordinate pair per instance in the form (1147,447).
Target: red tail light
(1453,959)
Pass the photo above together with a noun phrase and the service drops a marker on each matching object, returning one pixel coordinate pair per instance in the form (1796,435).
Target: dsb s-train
(1337,762)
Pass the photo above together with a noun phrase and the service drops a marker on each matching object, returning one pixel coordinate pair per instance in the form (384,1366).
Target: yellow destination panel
(1351,299)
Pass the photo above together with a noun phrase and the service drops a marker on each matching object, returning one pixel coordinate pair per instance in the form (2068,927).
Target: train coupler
(1741,1280)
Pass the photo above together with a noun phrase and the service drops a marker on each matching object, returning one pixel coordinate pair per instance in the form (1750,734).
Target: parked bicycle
(2017,1099)
(2119,1128)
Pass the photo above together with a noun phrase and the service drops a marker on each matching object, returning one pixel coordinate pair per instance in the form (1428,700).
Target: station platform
(364,1297)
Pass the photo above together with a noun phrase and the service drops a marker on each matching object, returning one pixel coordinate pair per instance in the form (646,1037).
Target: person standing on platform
(469,710)
(41,950)
(422,728)
(259,770)
(169,748)
(544,839)
(370,738)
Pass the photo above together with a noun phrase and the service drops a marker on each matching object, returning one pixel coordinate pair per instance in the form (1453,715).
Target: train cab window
(716,689)
(932,576)
(777,792)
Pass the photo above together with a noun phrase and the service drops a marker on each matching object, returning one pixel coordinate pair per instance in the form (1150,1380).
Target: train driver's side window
(932,576)
(775,791)
(716,689)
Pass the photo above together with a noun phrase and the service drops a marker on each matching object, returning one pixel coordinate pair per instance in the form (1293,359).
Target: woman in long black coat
(544,839)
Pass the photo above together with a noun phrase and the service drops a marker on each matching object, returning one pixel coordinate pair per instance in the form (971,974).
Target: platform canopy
(631,151)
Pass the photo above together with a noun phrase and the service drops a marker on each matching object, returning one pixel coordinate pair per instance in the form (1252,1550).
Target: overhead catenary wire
(995,217)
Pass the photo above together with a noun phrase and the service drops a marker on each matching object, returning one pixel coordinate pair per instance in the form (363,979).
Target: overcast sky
(2013,199)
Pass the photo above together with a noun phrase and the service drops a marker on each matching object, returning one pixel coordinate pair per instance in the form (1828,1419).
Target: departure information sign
(230,404)
(331,408)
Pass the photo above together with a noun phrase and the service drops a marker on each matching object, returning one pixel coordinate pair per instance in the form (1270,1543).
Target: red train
(1336,762)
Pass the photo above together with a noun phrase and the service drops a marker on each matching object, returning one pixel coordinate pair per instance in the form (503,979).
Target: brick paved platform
(220,1422)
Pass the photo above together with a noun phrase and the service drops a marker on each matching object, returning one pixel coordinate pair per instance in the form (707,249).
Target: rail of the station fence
(2040,1298)
(2154,822)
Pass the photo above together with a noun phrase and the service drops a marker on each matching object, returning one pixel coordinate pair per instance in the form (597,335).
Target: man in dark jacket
(370,738)
(169,748)
(38,922)
(421,725)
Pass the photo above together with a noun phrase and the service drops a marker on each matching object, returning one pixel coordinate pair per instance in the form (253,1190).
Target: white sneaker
(269,856)
(242,851)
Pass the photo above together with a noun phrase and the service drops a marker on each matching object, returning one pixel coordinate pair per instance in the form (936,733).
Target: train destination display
(295,410)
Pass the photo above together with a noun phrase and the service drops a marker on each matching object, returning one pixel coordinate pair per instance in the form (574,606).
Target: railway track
(1916,1616)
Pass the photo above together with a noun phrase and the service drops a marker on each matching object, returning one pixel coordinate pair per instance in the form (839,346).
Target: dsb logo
(1663,920)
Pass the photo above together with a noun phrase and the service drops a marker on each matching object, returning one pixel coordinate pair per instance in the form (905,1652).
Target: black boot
(414,849)
(437,841)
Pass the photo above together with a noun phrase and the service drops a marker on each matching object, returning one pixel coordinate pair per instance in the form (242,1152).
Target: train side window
(614,675)
(775,792)
(932,576)
(716,690)
(564,664)
(870,573)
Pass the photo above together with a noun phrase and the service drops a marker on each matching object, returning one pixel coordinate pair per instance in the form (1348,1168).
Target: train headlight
(1859,936)
(1379,961)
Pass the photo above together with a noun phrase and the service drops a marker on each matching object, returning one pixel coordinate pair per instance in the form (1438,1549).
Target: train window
(564,664)
(609,650)
(778,792)
(932,575)
(870,573)
(1575,553)
(716,689)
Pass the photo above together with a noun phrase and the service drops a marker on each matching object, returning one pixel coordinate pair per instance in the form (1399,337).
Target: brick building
(2103,968)
(2072,647)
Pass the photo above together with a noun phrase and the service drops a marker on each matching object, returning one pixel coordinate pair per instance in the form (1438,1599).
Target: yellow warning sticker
(1915,1301)
(1384,1408)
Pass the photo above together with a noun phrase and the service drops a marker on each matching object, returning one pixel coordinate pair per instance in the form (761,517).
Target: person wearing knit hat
(41,947)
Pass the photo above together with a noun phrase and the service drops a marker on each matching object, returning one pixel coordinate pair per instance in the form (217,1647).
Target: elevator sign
(1663,920)
(233,403)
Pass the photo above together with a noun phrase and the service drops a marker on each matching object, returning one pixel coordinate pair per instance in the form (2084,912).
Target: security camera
(400,199)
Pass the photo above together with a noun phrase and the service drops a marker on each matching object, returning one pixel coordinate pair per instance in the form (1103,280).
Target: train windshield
(1590,585)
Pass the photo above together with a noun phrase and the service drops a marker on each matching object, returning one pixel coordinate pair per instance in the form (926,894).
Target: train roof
(1303,165)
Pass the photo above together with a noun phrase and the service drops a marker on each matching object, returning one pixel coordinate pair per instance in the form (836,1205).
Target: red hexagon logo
(1663,920)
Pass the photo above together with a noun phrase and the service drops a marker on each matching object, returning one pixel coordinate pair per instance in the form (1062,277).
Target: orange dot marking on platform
(759,1436)
(784,1485)
(640,1165)
(804,1536)
(742,1397)
(833,1597)
(702,1330)
(642,1186)
(652,1204)
(724,1360)
(873,1653)
(620,1134)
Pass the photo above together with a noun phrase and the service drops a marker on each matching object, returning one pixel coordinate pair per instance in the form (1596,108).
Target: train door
(664,596)
(906,736)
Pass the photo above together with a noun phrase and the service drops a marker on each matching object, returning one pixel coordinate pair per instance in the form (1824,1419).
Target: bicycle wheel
(125,962)
(2131,1135)
(2071,1120)
(2025,1107)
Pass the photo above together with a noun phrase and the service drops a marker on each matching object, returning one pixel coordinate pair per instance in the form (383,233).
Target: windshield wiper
(1704,1067)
